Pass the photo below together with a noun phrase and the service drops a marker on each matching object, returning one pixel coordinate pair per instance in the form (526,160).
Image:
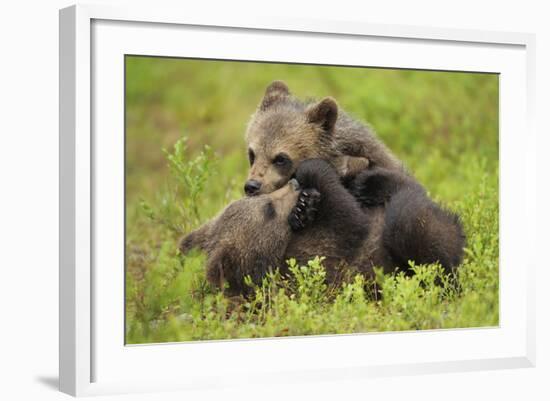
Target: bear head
(282,133)
(248,238)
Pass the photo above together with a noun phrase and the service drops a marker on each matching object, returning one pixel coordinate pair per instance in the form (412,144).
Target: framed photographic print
(339,199)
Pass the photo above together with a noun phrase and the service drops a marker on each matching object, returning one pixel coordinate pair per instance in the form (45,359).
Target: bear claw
(305,209)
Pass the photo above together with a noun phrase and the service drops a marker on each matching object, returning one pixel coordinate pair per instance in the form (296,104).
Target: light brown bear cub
(285,131)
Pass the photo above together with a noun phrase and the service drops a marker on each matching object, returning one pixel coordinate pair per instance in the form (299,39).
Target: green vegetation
(444,126)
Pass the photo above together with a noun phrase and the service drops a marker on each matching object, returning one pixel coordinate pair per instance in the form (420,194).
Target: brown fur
(249,237)
(359,230)
(305,130)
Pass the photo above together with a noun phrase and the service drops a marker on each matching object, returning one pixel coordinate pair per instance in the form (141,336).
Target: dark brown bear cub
(248,237)
(284,131)
(394,222)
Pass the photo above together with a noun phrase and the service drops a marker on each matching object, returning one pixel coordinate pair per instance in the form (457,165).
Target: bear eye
(251,156)
(281,160)
(269,211)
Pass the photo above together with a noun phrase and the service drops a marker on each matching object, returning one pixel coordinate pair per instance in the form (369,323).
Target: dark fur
(415,227)
(390,225)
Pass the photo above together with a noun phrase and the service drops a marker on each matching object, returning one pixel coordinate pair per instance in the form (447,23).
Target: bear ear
(323,113)
(275,92)
(187,243)
(196,239)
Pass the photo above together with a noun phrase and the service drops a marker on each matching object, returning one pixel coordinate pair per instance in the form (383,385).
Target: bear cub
(388,221)
(284,131)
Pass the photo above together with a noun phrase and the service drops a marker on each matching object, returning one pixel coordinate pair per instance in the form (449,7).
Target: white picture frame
(93,357)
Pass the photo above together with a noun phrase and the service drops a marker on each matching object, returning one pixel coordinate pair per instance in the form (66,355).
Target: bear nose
(252,187)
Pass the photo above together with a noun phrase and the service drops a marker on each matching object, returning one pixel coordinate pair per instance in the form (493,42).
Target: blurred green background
(442,125)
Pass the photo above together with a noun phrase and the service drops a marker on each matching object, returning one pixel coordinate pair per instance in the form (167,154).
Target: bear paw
(305,210)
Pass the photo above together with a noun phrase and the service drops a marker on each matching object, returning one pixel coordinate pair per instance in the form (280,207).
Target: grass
(443,125)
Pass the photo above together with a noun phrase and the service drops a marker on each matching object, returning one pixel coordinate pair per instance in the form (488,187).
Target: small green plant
(191,175)
(178,206)
(309,280)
